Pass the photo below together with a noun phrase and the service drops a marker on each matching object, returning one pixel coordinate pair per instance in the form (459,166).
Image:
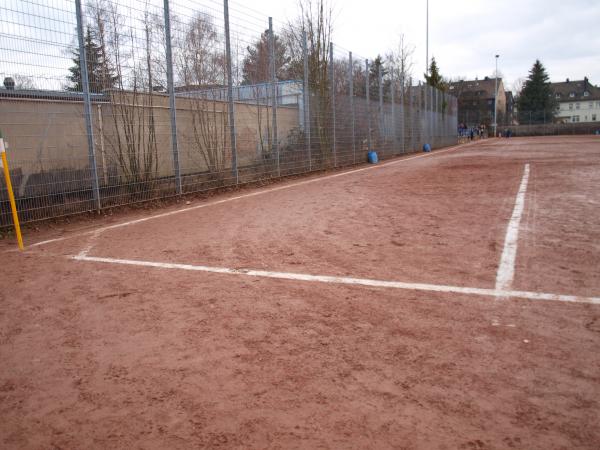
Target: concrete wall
(50,135)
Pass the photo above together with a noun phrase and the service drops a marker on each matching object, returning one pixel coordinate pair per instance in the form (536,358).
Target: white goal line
(346,280)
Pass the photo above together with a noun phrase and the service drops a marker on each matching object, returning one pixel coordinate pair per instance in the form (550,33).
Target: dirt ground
(101,355)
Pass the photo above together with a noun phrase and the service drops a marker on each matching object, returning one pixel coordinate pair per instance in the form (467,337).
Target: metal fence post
(306,99)
(171,90)
(381,118)
(102,153)
(420,100)
(442,130)
(234,162)
(368,106)
(87,104)
(274,94)
(432,115)
(422,120)
(429,113)
(393,97)
(426,108)
(411,114)
(436,124)
(402,112)
(332,71)
(351,93)
(422,107)
(435,116)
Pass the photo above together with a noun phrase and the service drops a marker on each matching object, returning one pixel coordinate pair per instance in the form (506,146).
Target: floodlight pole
(496,99)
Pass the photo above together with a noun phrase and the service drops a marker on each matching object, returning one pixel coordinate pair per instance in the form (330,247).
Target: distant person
(471,134)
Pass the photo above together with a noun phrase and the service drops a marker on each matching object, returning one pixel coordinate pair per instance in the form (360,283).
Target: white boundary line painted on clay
(251,194)
(506,269)
(346,280)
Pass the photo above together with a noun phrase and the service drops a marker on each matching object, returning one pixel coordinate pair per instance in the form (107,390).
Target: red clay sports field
(444,300)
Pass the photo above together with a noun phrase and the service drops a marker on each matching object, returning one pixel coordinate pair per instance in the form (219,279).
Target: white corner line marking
(346,280)
(251,194)
(506,269)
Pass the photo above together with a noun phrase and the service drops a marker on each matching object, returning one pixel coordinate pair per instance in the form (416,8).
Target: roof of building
(40,94)
(570,90)
(484,88)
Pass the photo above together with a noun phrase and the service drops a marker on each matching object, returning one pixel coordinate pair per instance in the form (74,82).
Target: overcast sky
(466,34)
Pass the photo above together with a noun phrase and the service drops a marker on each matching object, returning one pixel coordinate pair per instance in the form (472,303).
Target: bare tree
(199,60)
(518,85)
(400,60)
(315,20)
(24,82)
(133,137)
(199,64)
(209,134)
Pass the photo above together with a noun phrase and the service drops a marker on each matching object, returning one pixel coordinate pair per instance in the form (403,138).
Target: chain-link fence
(559,122)
(110,102)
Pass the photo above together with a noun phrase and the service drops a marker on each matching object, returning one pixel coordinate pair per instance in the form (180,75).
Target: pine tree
(100,74)
(434,78)
(374,79)
(537,103)
(256,68)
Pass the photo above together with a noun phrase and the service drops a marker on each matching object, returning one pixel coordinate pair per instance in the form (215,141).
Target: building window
(557,95)
(575,118)
(594,117)
(576,105)
(591,105)
(572,94)
(586,94)
(571,106)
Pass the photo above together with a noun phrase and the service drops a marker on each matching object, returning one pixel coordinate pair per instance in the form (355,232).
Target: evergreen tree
(374,79)
(536,101)
(100,73)
(256,68)
(434,78)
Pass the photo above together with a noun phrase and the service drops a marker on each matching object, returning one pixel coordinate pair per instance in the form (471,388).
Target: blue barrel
(426,148)
(372,157)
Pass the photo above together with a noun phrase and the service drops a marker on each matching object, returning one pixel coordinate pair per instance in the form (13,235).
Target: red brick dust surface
(98,355)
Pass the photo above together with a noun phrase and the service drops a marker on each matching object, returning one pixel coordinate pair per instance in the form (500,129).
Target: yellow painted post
(11,195)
